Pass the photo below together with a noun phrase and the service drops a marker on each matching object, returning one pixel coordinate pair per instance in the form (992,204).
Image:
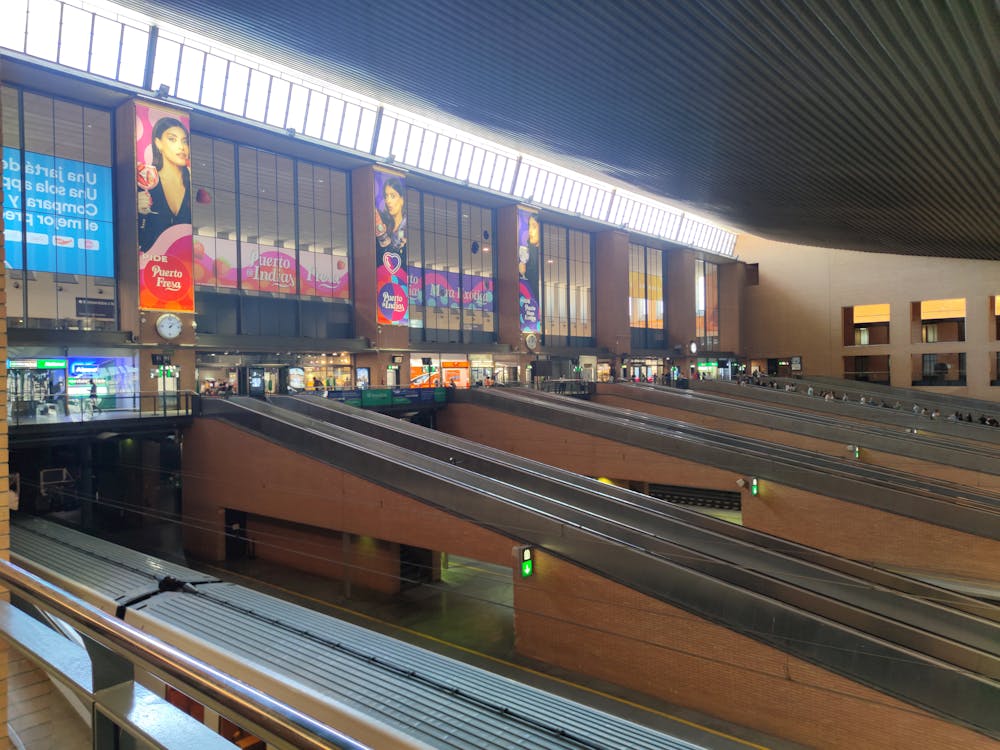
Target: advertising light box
(60,210)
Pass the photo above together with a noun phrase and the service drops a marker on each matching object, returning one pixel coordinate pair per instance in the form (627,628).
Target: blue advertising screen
(62,209)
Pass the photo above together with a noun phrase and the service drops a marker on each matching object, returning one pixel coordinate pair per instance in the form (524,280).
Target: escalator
(923,645)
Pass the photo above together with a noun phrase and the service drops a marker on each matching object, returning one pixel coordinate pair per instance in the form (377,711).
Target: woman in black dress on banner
(166,202)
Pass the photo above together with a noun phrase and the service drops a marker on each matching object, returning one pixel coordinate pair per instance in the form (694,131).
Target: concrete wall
(584,623)
(797,308)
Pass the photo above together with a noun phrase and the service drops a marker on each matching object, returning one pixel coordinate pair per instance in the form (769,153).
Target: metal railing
(102,675)
(59,408)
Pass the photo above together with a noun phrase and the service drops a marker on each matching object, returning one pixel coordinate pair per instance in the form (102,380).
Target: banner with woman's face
(392,299)
(529,249)
(163,207)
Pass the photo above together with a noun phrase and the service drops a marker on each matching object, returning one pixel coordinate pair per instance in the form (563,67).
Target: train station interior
(515,375)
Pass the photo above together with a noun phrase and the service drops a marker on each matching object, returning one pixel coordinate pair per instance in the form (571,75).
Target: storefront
(43,385)
(294,373)
(644,370)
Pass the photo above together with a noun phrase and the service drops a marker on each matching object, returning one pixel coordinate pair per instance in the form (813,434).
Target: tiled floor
(38,716)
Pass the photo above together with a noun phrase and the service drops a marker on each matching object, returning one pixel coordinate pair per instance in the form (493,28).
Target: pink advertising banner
(163,206)
(270,269)
(392,299)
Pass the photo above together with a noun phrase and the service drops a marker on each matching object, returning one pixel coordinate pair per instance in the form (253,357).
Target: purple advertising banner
(477,293)
(448,289)
(529,250)
(392,300)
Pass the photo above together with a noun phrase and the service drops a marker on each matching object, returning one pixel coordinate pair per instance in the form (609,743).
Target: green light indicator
(754,489)
(527,562)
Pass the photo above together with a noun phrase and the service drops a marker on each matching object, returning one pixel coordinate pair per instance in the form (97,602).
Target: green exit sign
(527,562)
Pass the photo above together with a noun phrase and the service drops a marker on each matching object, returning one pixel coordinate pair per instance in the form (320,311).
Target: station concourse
(720,261)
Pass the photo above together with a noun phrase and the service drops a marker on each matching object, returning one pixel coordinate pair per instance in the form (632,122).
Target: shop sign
(84,368)
(88,307)
(36,364)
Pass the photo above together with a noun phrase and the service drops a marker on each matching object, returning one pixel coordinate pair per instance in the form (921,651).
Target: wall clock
(169,326)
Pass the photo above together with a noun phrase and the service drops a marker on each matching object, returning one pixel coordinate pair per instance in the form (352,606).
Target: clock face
(169,326)
(531,341)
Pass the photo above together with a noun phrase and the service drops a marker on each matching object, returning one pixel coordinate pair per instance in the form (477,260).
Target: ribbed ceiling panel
(844,123)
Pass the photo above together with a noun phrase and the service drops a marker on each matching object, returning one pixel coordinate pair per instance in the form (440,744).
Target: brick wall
(582,622)
(836,448)
(844,528)
(228,468)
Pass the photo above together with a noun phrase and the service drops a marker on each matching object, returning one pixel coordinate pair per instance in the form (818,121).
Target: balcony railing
(102,676)
(39,409)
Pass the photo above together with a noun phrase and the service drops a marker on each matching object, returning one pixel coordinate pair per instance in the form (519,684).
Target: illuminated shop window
(940,320)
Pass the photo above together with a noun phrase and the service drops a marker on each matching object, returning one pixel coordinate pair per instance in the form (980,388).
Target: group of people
(983,419)
(918,409)
(212,388)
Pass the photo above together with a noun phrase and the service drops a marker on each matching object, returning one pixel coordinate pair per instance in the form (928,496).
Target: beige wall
(797,307)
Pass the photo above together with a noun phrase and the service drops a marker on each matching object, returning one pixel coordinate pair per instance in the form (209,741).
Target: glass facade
(567,287)
(451,270)
(275,231)
(706,304)
(58,211)
(646,297)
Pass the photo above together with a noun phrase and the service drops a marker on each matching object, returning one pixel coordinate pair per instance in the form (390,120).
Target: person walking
(95,404)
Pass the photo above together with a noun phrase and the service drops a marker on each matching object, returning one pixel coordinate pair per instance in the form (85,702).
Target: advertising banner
(448,289)
(529,250)
(163,182)
(60,211)
(392,300)
(270,269)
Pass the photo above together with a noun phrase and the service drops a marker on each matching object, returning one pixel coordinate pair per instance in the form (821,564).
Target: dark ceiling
(859,124)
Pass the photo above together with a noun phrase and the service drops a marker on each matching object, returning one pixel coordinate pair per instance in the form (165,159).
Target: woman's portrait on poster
(164,189)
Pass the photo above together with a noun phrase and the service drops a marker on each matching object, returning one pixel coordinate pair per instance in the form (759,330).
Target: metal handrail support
(105,682)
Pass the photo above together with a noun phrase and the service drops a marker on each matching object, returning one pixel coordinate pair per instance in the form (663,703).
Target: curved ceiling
(854,124)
